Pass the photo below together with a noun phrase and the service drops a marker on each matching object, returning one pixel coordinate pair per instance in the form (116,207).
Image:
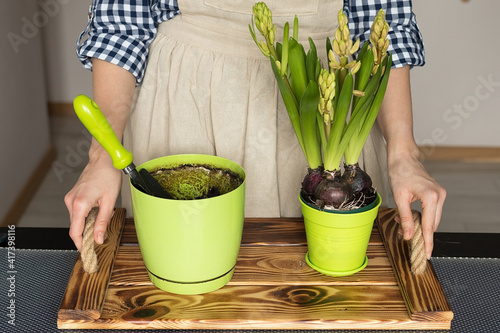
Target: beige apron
(208,89)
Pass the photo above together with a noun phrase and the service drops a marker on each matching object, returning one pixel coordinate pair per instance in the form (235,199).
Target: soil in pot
(189,182)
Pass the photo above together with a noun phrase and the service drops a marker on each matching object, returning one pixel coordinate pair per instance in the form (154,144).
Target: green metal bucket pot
(190,246)
(337,241)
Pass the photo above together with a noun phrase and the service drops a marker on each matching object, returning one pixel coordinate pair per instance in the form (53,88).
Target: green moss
(188,182)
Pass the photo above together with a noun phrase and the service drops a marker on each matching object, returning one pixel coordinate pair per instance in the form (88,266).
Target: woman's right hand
(98,185)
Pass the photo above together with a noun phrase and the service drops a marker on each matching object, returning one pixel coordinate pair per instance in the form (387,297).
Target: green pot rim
(213,160)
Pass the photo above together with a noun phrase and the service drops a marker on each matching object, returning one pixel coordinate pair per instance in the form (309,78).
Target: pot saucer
(335,273)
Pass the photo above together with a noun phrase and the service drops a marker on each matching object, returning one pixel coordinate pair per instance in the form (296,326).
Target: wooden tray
(272,287)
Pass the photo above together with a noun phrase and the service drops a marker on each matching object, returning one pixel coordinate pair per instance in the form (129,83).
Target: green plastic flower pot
(337,241)
(190,246)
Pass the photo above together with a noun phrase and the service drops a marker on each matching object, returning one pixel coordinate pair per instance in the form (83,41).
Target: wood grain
(272,288)
(85,293)
(258,307)
(259,231)
(423,294)
(270,265)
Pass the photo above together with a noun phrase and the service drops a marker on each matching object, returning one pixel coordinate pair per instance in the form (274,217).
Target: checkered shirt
(120,32)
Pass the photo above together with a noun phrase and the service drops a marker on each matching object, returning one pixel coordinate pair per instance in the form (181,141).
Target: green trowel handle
(93,119)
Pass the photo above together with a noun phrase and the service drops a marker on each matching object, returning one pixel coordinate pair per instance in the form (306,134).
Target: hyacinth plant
(333,109)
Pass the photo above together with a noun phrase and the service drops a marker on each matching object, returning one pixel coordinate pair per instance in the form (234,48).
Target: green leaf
(308,126)
(311,61)
(295,28)
(364,73)
(362,50)
(332,154)
(351,133)
(372,113)
(369,90)
(297,65)
(328,48)
(337,89)
(284,53)
(290,103)
(321,130)
(361,105)
(318,70)
(279,50)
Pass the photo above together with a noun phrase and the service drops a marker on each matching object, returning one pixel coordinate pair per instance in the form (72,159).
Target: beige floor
(473,188)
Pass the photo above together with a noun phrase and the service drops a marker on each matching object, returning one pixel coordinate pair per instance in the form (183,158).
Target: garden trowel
(93,119)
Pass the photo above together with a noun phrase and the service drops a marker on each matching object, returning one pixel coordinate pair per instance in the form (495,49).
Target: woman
(208,89)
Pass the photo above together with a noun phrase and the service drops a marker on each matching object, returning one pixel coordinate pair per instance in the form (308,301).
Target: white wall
(454,105)
(24,129)
(65,76)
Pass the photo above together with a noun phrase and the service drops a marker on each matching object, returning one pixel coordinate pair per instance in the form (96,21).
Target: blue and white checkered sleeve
(406,42)
(120,32)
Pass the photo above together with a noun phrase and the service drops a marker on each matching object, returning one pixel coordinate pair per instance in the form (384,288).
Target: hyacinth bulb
(333,191)
(311,181)
(360,183)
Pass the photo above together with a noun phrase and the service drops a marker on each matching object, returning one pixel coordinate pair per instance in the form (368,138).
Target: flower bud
(264,48)
(343,47)
(351,64)
(375,53)
(356,67)
(323,86)
(380,44)
(336,47)
(386,46)
(338,34)
(385,32)
(349,46)
(262,28)
(278,65)
(358,93)
(377,26)
(331,55)
(345,33)
(330,79)
(272,34)
(355,47)
(332,93)
(321,105)
(334,65)
(326,118)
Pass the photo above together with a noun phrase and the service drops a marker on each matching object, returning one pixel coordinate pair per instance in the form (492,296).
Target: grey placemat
(471,285)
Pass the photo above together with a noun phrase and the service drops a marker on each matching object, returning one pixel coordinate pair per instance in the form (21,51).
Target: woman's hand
(98,185)
(410,182)
(407,176)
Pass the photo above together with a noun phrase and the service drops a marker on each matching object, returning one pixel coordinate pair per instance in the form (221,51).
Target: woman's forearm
(395,118)
(113,90)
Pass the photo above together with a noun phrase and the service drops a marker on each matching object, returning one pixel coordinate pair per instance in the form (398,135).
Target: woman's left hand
(408,178)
